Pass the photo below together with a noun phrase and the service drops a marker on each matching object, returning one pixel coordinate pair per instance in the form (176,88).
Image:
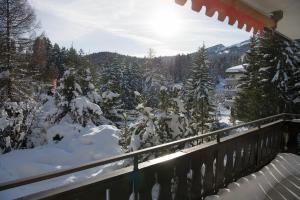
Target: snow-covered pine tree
(269,85)
(285,65)
(131,82)
(249,102)
(164,117)
(197,87)
(111,77)
(16,119)
(172,123)
(72,103)
(291,60)
(294,86)
(125,136)
(88,88)
(154,77)
(144,132)
(274,72)
(111,87)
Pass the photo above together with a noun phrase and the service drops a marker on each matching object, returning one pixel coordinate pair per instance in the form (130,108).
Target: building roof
(236,69)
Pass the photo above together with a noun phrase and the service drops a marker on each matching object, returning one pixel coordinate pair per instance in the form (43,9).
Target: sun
(165,23)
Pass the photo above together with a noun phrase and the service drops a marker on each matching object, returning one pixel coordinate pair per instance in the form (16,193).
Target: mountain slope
(220,57)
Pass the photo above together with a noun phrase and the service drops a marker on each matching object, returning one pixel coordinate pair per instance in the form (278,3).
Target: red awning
(235,10)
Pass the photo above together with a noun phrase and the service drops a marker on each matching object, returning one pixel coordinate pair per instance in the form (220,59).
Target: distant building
(232,82)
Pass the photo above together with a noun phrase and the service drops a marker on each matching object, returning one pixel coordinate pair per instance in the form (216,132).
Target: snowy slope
(79,145)
(277,180)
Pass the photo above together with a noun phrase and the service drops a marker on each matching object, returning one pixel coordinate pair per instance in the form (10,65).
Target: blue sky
(131,27)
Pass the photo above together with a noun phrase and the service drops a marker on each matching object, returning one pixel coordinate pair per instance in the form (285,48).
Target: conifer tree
(88,88)
(58,60)
(144,132)
(172,123)
(154,77)
(197,89)
(273,73)
(112,76)
(71,102)
(165,132)
(249,102)
(111,81)
(288,73)
(131,82)
(16,120)
(294,84)
(269,84)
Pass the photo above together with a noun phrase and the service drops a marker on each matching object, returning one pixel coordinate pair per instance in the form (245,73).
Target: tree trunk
(8,50)
(202,118)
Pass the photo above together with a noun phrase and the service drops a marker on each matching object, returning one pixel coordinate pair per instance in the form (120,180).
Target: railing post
(258,150)
(258,125)
(135,177)
(218,138)
(286,117)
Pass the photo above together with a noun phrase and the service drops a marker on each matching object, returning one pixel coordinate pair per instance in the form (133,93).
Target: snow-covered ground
(278,180)
(82,145)
(79,145)
(222,112)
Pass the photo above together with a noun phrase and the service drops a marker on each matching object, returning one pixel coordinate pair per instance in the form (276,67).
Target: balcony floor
(279,180)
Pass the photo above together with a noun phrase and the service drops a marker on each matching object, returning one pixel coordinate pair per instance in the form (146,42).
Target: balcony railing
(232,81)
(229,102)
(190,173)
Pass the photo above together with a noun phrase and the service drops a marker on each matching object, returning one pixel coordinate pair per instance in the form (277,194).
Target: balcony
(189,173)
(229,103)
(231,92)
(232,81)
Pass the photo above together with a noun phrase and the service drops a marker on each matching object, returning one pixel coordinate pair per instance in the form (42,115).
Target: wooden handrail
(135,154)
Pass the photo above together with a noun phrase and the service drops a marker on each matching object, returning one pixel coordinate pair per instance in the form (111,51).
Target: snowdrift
(79,145)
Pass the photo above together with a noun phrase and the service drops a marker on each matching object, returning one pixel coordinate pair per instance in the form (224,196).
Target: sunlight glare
(165,23)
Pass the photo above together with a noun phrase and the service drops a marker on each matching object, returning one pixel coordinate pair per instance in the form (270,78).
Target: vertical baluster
(189,179)
(136,177)
(202,173)
(224,169)
(258,152)
(107,194)
(234,158)
(285,141)
(155,192)
(174,185)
